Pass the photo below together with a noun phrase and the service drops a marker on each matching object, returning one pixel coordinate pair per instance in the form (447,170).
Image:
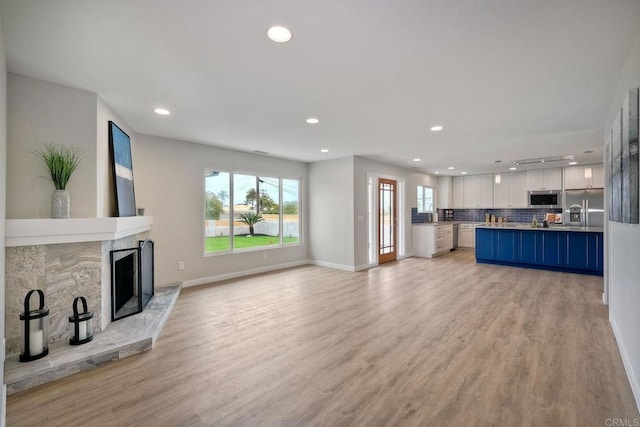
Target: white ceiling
(509,79)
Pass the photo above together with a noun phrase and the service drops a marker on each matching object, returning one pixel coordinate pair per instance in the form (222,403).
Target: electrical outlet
(180,265)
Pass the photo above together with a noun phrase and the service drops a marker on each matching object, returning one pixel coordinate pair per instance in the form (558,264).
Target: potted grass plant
(61,161)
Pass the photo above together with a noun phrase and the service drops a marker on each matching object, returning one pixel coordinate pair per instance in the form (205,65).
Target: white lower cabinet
(467,236)
(430,240)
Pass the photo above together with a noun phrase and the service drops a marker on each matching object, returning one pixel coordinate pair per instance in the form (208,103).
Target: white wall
(3,174)
(331,213)
(624,249)
(106,206)
(362,168)
(339,208)
(42,112)
(169,184)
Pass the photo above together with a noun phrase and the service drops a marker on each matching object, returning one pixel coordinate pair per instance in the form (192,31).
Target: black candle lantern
(35,338)
(82,323)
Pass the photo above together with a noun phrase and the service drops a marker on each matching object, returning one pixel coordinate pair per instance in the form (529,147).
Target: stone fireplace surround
(67,258)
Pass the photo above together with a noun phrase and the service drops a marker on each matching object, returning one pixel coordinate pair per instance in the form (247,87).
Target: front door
(387,221)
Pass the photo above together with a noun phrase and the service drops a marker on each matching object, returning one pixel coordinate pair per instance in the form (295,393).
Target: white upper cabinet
(519,195)
(544,179)
(478,191)
(511,192)
(576,177)
(502,191)
(486,190)
(598,176)
(444,193)
(458,192)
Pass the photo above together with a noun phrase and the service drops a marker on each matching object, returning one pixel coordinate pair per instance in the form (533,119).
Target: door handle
(586,213)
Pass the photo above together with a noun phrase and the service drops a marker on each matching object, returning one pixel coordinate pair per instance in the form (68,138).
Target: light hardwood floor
(419,342)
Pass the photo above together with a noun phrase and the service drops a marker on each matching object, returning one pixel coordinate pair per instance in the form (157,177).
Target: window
(425,199)
(217,212)
(291,210)
(249,211)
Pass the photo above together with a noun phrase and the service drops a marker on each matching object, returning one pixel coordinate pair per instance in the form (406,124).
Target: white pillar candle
(82,331)
(36,342)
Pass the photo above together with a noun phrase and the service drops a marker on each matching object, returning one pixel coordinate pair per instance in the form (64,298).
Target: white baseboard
(3,390)
(633,379)
(3,411)
(332,265)
(364,267)
(236,274)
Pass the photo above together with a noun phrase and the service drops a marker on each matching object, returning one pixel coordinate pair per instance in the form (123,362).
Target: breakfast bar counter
(521,226)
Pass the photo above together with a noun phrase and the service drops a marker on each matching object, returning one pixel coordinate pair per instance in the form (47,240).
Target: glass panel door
(387,220)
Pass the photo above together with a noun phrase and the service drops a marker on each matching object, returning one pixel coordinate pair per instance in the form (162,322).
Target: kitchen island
(557,248)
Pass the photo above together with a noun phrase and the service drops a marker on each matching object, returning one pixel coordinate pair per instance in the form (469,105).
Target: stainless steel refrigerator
(584,208)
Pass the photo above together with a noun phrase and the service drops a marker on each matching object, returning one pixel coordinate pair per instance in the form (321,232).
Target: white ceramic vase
(60,204)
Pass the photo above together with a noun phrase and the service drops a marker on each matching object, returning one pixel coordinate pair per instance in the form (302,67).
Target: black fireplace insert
(132,279)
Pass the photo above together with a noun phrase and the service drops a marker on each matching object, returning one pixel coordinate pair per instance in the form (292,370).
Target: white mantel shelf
(31,232)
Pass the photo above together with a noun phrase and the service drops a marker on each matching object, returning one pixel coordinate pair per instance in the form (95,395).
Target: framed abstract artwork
(615,212)
(120,146)
(630,196)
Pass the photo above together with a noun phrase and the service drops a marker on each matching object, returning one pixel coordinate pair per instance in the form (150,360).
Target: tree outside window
(250,215)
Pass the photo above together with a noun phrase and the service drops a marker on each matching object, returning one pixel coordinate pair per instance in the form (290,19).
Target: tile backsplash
(477,215)
(418,217)
(512,215)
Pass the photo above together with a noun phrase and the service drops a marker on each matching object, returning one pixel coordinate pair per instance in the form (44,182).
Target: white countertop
(528,226)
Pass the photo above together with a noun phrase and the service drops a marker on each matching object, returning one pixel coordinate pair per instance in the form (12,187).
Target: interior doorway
(387,220)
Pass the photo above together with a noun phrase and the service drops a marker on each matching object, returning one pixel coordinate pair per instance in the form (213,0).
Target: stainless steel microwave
(545,199)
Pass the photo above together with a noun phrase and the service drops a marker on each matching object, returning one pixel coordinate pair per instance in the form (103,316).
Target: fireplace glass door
(125,283)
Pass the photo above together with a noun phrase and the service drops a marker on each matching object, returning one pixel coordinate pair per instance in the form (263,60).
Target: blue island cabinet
(484,244)
(498,245)
(571,251)
(584,251)
(507,246)
(552,248)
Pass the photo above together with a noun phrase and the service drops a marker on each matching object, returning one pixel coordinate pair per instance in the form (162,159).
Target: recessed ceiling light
(324,150)
(451,168)
(573,163)
(312,120)
(162,111)
(416,159)
(463,173)
(513,168)
(436,172)
(437,128)
(279,34)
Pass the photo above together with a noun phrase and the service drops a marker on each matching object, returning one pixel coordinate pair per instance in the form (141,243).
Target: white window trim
(280,245)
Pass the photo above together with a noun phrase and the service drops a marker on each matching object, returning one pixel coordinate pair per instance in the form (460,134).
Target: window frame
(423,209)
(281,244)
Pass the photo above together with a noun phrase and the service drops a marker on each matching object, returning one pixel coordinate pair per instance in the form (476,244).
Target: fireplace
(132,281)
(146,270)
